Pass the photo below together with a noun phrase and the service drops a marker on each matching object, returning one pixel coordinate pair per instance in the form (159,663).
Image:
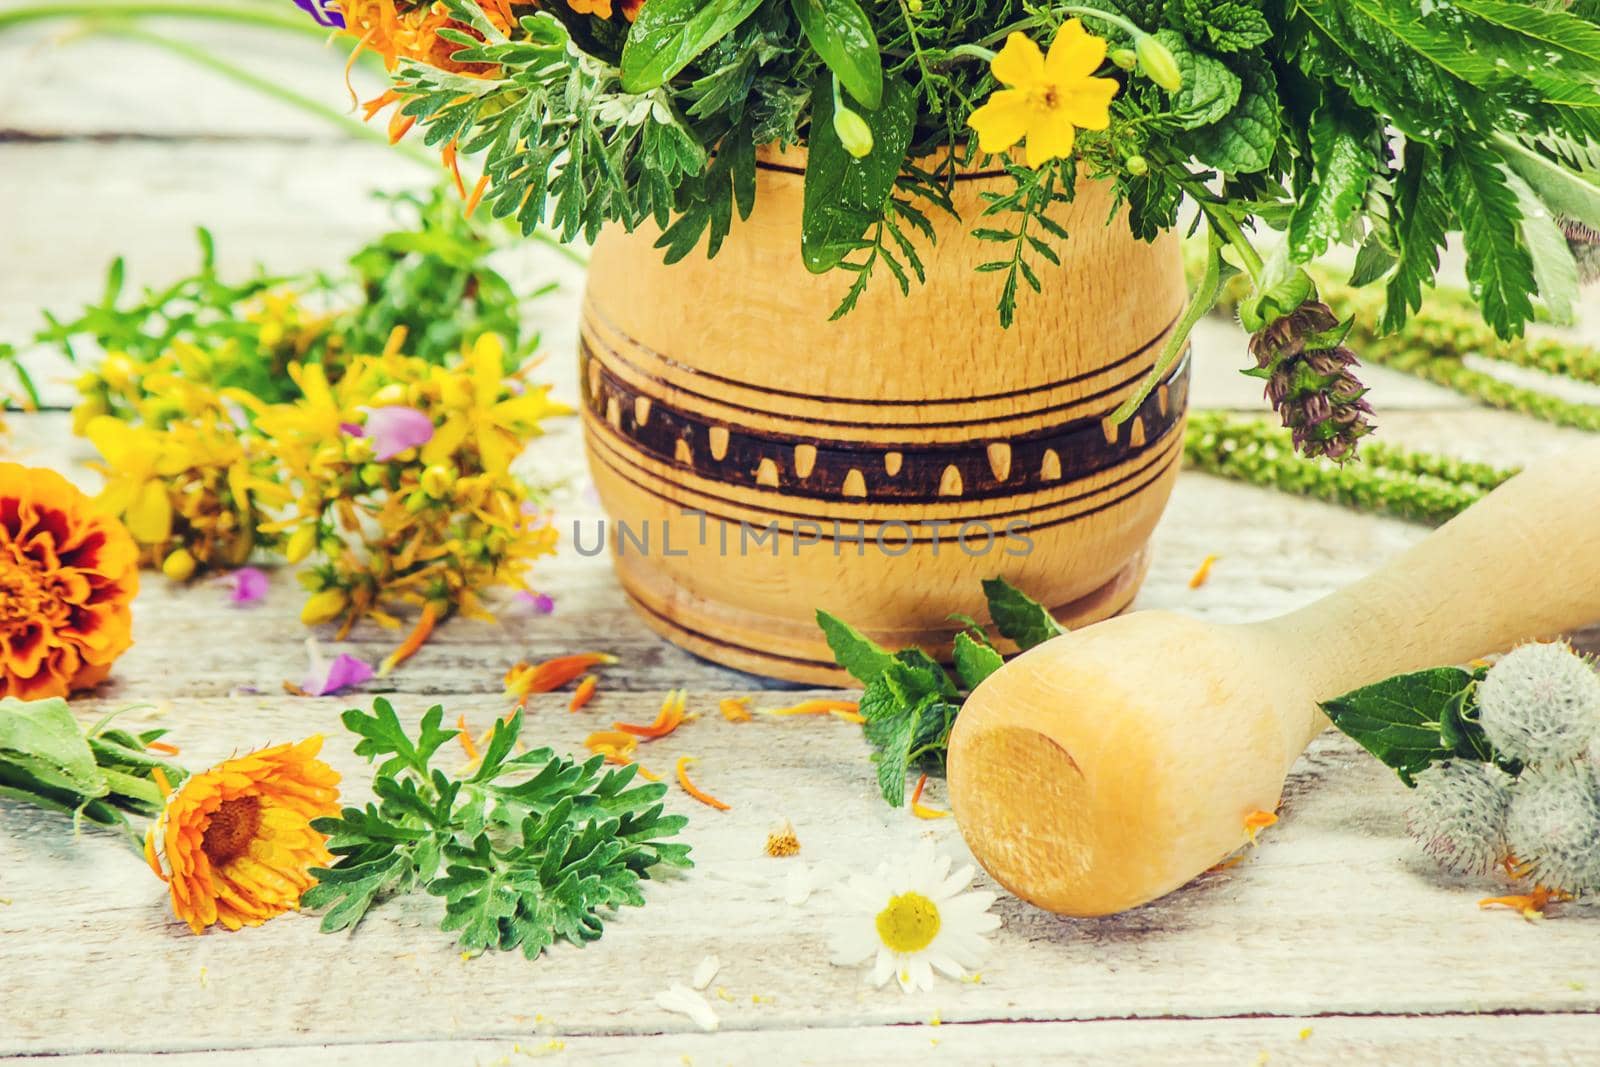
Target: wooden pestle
(1111,765)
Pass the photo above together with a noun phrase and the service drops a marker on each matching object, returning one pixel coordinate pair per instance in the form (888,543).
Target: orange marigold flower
(413,33)
(68,574)
(602,8)
(237,840)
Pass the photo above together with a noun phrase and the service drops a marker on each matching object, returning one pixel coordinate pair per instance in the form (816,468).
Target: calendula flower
(393,429)
(1541,703)
(399,30)
(1553,826)
(1048,97)
(913,917)
(68,575)
(1457,813)
(235,844)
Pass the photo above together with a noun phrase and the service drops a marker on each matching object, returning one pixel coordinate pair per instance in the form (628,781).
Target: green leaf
(845,196)
(669,34)
(842,35)
(916,674)
(1018,616)
(1210,89)
(42,739)
(974,661)
(890,727)
(1243,139)
(1398,720)
(1421,217)
(1562,190)
(1547,33)
(1232,27)
(1342,156)
(1553,266)
(1498,267)
(858,654)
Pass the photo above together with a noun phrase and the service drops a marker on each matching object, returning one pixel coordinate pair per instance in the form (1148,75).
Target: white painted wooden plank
(1298,1042)
(1335,912)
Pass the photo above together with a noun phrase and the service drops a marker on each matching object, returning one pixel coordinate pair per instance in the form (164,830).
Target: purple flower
(249,585)
(324,12)
(539,603)
(324,679)
(394,429)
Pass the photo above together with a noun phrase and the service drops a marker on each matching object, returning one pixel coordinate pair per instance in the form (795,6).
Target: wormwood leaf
(524,852)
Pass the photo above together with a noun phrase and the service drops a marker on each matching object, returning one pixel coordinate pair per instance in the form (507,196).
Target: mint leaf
(669,34)
(1017,616)
(1243,139)
(852,650)
(1342,151)
(1498,267)
(916,673)
(1209,89)
(890,728)
(1234,27)
(974,661)
(1398,720)
(842,35)
(844,196)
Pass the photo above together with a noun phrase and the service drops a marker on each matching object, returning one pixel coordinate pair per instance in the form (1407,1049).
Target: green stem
(1105,16)
(253,16)
(132,787)
(1205,297)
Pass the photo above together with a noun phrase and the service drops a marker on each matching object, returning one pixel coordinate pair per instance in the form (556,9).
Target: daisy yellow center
(909,923)
(231,829)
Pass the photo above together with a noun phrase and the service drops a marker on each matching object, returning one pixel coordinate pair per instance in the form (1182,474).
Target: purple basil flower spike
(323,12)
(394,429)
(324,678)
(249,585)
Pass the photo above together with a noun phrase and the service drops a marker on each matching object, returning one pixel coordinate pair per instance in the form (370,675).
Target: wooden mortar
(720,386)
(1109,766)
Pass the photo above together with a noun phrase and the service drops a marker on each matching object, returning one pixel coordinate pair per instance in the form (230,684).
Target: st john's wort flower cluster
(1539,709)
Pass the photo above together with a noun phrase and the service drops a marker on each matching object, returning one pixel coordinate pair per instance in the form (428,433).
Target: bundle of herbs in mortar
(1290,125)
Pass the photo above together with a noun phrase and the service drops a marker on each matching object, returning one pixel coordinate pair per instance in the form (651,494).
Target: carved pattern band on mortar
(901,473)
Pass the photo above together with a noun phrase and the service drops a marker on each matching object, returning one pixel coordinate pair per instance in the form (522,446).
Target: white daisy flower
(913,917)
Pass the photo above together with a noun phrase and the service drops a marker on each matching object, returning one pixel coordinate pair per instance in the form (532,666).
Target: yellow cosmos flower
(1050,97)
(237,840)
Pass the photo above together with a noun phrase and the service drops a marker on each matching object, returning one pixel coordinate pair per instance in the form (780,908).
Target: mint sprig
(524,849)
(910,702)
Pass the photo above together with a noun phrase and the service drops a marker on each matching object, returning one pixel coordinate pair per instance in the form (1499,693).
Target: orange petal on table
(668,719)
(1257,821)
(735,709)
(1202,573)
(552,673)
(414,640)
(584,692)
(464,735)
(694,790)
(921,810)
(817,707)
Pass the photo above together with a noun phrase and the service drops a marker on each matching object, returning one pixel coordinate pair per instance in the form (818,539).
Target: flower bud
(1541,703)
(853,131)
(914,6)
(1137,166)
(323,607)
(300,544)
(1125,58)
(1553,824)
(179,565)
(436,480)
(1157,62)
(391,394)
(1457,814)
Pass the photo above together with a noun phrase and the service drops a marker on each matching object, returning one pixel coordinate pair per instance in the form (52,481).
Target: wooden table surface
(1336,941)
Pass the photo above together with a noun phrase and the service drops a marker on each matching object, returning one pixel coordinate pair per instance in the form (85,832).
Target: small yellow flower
(1049,97)
(323,607)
